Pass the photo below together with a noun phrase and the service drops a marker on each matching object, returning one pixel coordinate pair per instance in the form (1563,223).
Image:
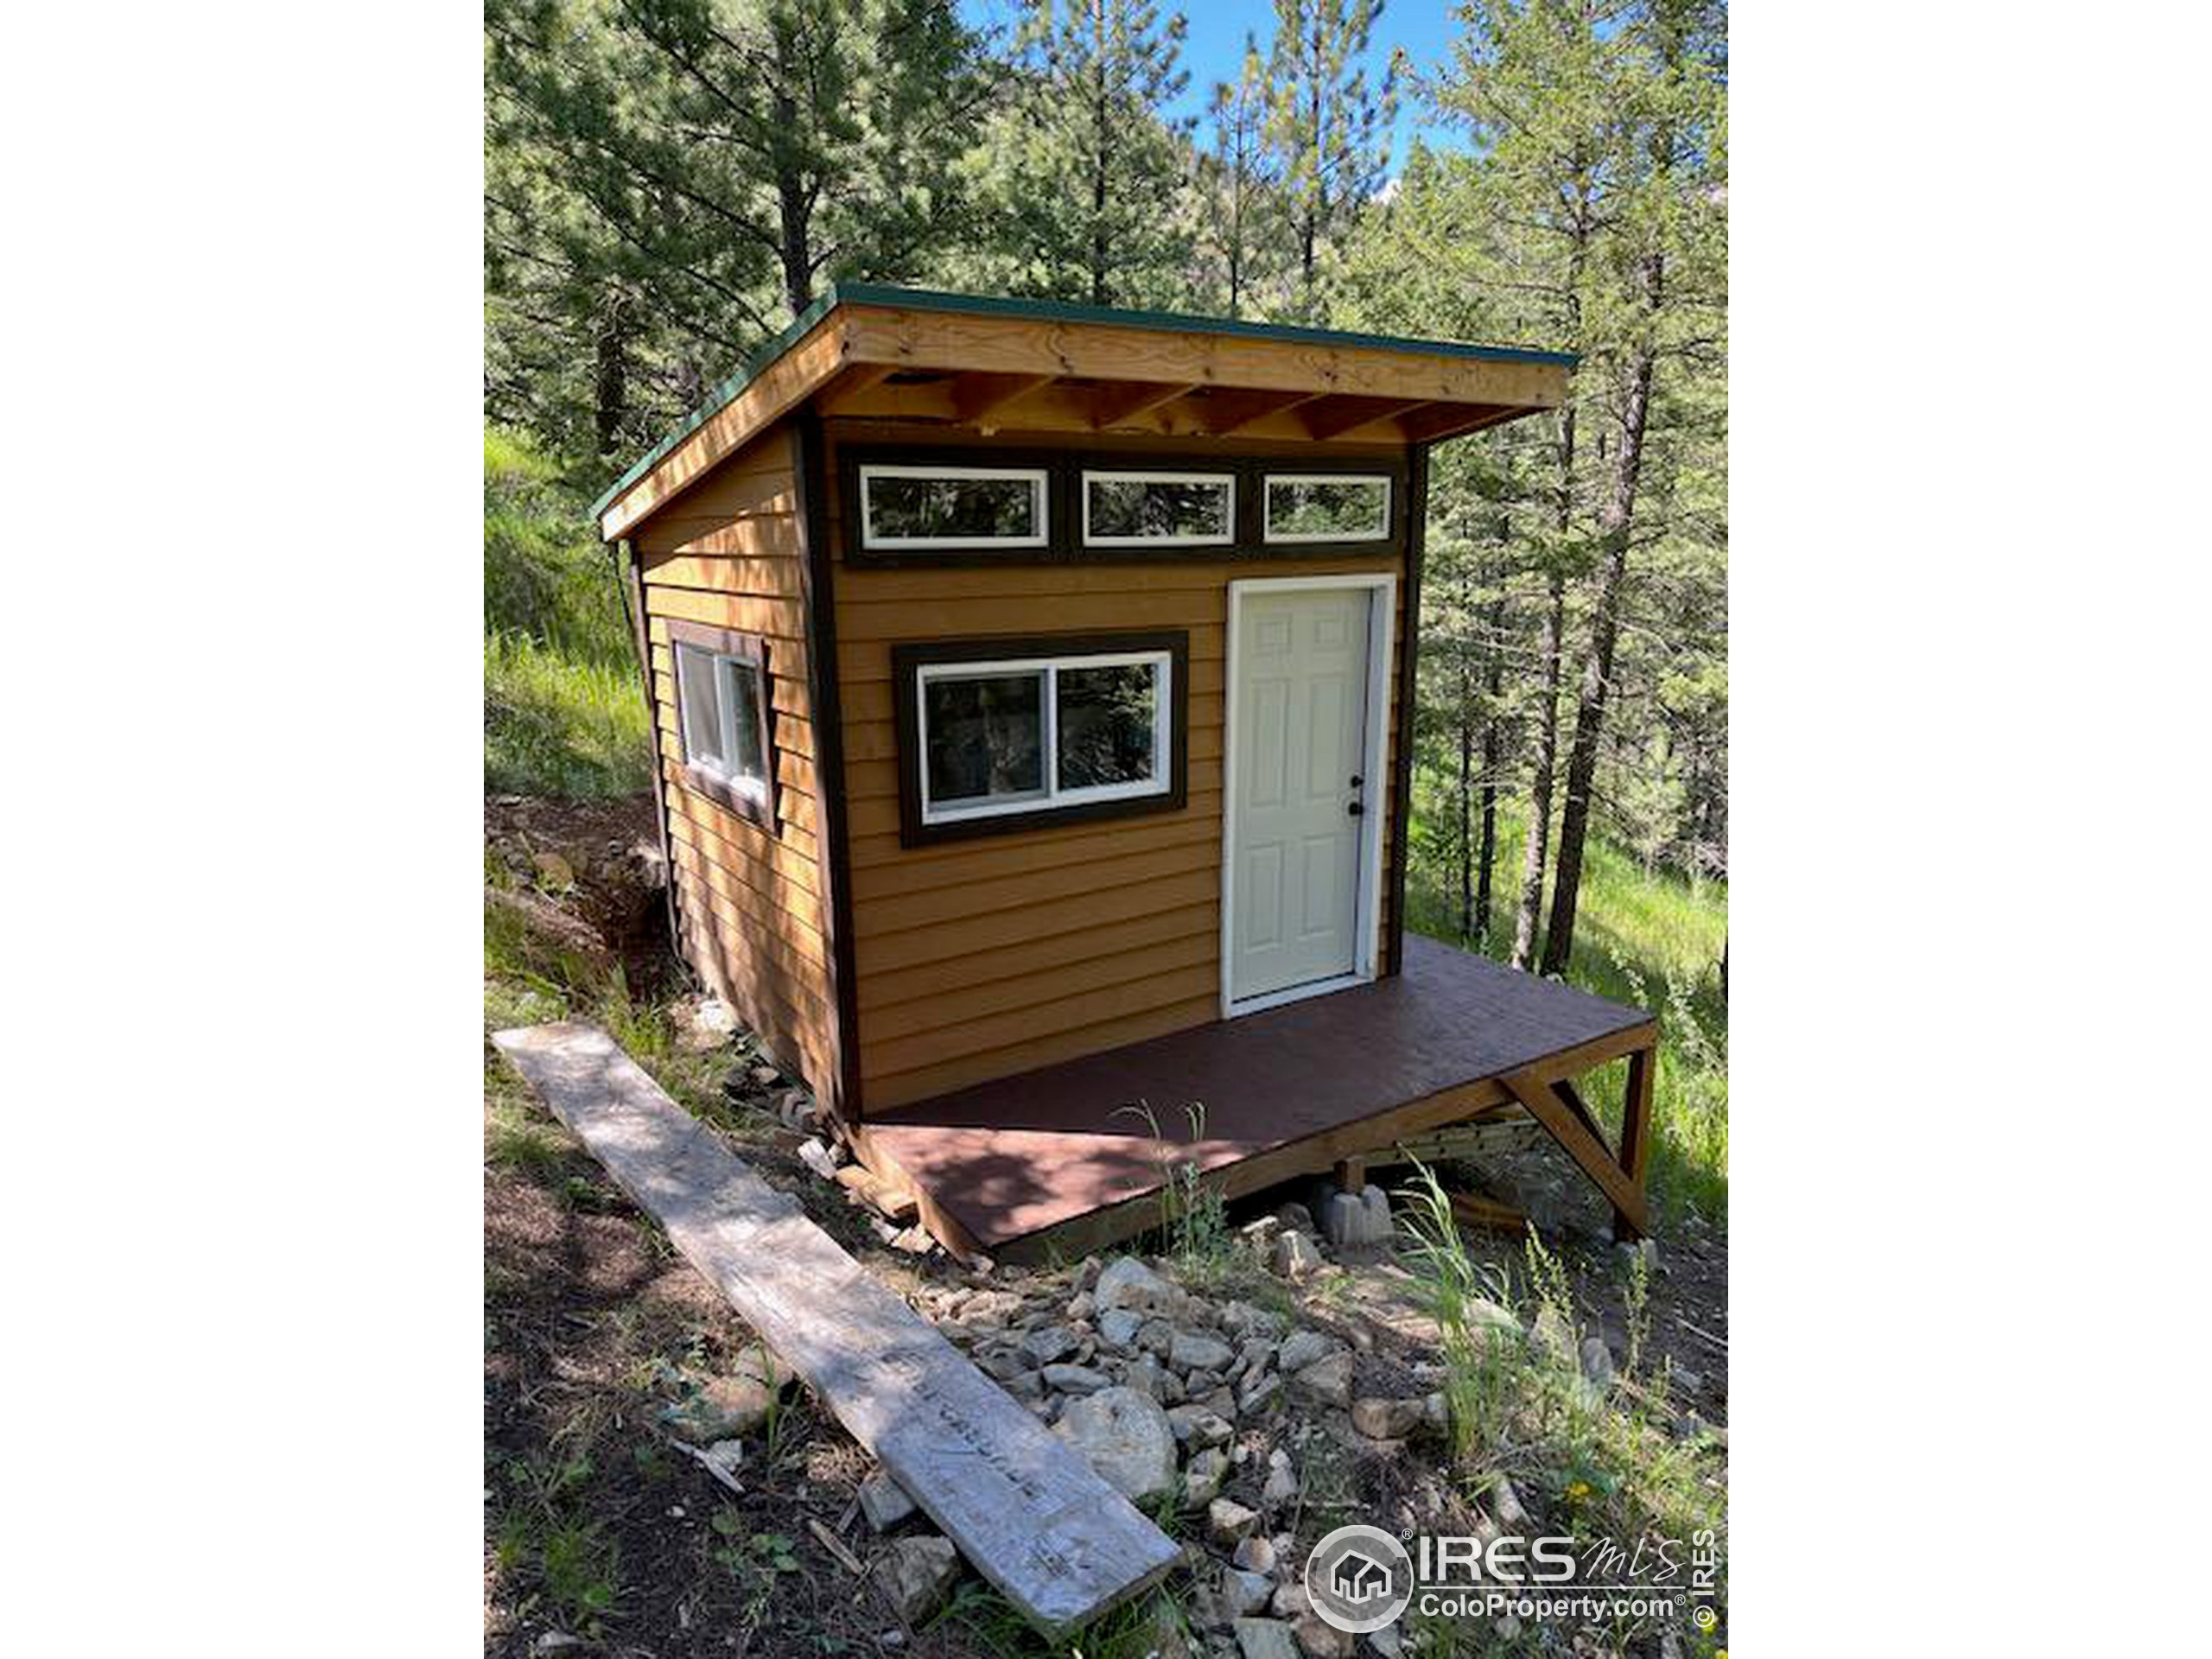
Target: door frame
(1382,587)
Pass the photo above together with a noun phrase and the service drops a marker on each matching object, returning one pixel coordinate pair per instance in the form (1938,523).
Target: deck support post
(1636,1129)
(1352,1174)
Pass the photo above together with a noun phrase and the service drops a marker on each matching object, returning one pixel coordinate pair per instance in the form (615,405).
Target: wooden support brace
(1351,1173)
(1636,1124)
(1545,1104)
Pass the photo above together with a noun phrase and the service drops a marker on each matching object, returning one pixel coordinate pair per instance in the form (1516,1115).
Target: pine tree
(1330,132)
(702,167)
(1082,182)
(1239,185)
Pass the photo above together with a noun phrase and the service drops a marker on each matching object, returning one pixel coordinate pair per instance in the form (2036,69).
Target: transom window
(1327,507)
(922,508)
(998,735)
(721,699)
(1153,509)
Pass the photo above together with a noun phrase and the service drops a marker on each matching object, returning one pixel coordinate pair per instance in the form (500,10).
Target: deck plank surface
(1027,1152)
(1031,1514)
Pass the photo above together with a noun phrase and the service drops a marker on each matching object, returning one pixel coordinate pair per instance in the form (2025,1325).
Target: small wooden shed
(1028,685)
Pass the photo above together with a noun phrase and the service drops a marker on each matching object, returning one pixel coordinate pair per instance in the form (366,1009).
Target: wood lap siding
(750,904)
(986,957)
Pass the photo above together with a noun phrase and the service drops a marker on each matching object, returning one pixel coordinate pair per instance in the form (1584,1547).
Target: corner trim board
(817,575)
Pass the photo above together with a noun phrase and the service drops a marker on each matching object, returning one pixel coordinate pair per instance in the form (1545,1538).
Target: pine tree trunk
(1466,795)
(1533,853)
(1493,684)
(611,376)
(1616,524)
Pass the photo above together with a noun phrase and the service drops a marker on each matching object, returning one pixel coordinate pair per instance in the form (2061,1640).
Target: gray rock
(884,1501)
(1295,1219)
(1553,1335)
(914,1575)
(1259,1390)
(1156,1337)
(1082,1306)
(1597,1364)
(1202,1477)
(1386,1420)
(1351,1219)
(1326,1382)
(1289,1600)
(1686,1381)
(1436,1411)
(1202,1385)
(1199,1425)
(1256,1555)
(1302,1348)
(1296,1257)
(819,1157)
(1264,1638)
(1118,1327)
(1241,1592)
(1505,1504)
(1193,1351)
(1126,1282)
(1147,1374)
(1317,1639)
(1048,1343)
(1282,1486)
(1126,1438)
(1075,1379)
(1388,1641)
(1243,1319)
(1228,1522)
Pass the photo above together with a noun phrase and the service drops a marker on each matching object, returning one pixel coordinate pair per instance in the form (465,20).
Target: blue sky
(1216,45)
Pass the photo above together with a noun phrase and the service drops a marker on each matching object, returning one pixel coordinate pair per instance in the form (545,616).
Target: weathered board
(1031,1515)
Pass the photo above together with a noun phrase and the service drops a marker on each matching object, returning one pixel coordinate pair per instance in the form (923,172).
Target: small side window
(923,509)
(1151,509)
(1328,507)
(722,698)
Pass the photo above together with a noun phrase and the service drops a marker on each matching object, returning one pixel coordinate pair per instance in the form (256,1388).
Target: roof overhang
(988,365)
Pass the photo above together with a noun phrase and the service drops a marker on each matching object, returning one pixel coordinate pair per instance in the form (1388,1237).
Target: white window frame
(1270,533)
(1227,479)
(726,671)
(1038,478)
(1053,796)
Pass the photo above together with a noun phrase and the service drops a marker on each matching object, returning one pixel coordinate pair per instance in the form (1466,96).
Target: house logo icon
(1359,1579)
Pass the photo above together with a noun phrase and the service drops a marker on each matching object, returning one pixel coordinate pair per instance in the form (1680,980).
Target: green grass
(1610,1466)
(563,712)
(1653,940)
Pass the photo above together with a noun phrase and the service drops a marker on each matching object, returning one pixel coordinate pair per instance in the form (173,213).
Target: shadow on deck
(1055,1159)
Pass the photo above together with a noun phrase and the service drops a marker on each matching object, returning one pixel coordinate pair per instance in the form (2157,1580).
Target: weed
(1192,1215)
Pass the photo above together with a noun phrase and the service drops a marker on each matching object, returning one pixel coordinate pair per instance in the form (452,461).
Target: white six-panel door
(1297,846)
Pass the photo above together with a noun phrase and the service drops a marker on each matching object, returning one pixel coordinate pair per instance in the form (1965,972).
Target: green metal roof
(922,299)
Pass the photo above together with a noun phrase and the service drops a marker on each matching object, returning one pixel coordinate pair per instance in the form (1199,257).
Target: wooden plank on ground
(1031,1515)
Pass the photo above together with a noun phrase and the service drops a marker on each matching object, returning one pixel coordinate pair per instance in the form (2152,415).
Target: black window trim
(907,661)
(1065,469)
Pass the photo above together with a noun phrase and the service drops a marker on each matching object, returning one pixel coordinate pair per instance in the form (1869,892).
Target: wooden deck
(1057,1159)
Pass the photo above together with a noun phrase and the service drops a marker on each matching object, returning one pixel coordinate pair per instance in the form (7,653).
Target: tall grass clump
(1602,1463)
(564,711)
(1193,1218)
